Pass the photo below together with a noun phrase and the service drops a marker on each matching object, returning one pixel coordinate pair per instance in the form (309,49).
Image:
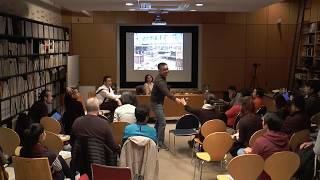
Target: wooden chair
(216,145)
(209,127)
(31,168)
(316,119)
(51,125)
(256,135)
(244,167)
(100,172)
(53,142)
(282,165)
(117,129)
(9,141)
(298,138)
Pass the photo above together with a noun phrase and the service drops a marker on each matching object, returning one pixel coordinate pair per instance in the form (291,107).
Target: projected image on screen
(150,49)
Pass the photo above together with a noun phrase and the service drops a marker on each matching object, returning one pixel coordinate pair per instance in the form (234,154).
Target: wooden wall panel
(223,40)
(212,17)
(221,73)
(279,11)
(101,17)
(94,40)
(190,18)
(259,16)
(92,70)
(236,18)
(314,10)
(277,73)
(278,40)
(256,41)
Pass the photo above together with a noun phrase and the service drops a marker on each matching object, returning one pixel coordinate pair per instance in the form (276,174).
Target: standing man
(106,97)
(159,92)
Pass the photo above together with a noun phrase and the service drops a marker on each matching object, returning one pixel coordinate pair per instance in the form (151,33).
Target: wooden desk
(171,109)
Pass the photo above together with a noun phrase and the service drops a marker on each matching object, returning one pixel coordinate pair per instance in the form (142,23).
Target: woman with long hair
(33,148)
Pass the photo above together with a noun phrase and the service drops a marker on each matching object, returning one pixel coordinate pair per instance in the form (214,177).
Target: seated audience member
(3,173)
(297,120)
(33,148)
(313,100)
(249,123)
(73,108)
(282,106)
(140,128)
(244,92)
(125,112)
(207,111)
(234,112)
(40,108)
(106,97)
(92,140)
(148,84)
(232,93)
(23,123)
(257,96)
(270,142)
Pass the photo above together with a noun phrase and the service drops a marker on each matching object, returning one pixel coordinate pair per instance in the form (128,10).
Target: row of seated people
(92,142)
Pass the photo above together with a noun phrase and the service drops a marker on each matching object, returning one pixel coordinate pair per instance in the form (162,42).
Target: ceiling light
(132,9)
(193,10)
(199,4)
(129,4)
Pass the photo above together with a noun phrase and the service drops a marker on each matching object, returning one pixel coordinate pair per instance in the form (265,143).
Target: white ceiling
(166,5)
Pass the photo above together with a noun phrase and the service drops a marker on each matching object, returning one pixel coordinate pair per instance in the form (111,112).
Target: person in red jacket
(270,142)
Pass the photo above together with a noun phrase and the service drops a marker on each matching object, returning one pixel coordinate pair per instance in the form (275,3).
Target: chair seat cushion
(185,132)
(203,156)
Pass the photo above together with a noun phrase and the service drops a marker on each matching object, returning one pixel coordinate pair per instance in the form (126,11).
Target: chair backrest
(101,172)
(211,126)
(282,165)
(256,135)
(9,141)
(246,167)
(31,168)
(117,129)
(188,121)
(217,145)
(298,138)
(53,142)
(50,124)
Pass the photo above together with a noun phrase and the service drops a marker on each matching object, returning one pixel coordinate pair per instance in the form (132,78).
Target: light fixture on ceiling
(158,21)
(193,10)
(129,4)
(132,9)
(199,4)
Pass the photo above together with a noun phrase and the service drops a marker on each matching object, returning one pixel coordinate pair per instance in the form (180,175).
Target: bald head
(92,105)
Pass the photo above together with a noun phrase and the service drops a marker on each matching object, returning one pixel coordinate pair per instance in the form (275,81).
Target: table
(171,109)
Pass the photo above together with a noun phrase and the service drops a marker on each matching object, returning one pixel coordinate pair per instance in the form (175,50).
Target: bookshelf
(308,65)
(33,57)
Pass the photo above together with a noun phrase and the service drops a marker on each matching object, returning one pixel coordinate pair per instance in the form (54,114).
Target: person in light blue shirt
(140,128)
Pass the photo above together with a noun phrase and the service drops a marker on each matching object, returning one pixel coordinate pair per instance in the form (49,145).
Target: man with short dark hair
(313,101)
(41,107)
(140,128)
(159,92)
(106,97)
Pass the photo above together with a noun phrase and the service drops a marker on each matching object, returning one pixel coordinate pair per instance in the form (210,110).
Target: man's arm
(106,94)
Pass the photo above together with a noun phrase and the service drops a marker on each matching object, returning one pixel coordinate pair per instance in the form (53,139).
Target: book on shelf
(35,30)
(41,35)
(46,31)
(28,29)
(5,109)
(9,26)
(3,25)
(8,67)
